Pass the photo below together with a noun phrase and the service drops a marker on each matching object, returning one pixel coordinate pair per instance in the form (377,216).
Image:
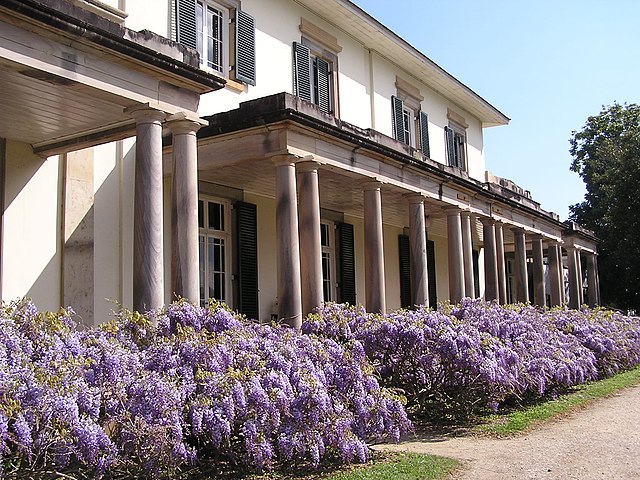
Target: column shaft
(456,265)
(555,279)
(521,283)
(539,291)
(310,241)
(467,254)
(591,278)
(287,245)
(490,260)
(574,278)
(148,258)
(373,249)
(580,276)
(502,272)
(418,246)
(185,281)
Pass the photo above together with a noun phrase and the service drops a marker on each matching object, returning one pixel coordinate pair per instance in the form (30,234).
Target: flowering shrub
(479,354)
(153,394)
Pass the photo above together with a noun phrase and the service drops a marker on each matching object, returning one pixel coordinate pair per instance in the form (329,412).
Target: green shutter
(186,22)
(245,66)
(397,107)
(302,71)
(405,271)
(431,271)
(424,134)
(323,84)
(247,255)
(346,264)
(451,155)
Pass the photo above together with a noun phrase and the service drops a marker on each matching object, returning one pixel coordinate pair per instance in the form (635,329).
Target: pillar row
(287,244)
(521,283)
(373,248)
(490,259)
(310,236)
(185,267)
(539,293)
(456,261)
(148,273)
(418,251)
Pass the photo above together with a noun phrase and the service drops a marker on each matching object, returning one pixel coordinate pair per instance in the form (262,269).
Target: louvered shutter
(247,255)
(302,71)
(186,22)
(431,272)
(397,107)
(245,66)
(476,274)
(346,264)
(323,83)
(405,271)
(424,134)
(451,155)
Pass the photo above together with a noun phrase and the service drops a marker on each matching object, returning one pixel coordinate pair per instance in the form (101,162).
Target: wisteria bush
(454,360)
(152,395)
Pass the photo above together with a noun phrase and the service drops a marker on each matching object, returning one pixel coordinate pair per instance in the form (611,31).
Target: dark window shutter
(424,134)
(186,22)
(245,67)
(431,271)
(323,85)
(451,155)
(346,264)
(247,254)
(405,271)
(397,107)
(476,274)
(302,71)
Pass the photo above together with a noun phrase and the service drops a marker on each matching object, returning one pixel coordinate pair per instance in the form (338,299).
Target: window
(204,25)
(327,239)
(214,250)
(314,79)
(410,121)
(456,146)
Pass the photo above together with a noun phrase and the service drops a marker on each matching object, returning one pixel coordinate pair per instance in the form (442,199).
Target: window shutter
(431,272)
(476,274)
(245,67)
(405,271)
(323,83)
(397,106)
(424,134)
(247,254)
(451,156)
(186,22)
(346,264)
(302,71)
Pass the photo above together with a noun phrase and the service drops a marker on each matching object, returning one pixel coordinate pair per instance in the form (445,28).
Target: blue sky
(546,64)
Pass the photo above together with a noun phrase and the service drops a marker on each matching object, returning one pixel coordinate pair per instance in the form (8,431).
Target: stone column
(490,259)
(539,293)
(467,254)
(574,277)
(148,273)
(418,249)
(580,276)
(555,273)
(310,241)
(592,274)
(287,245)
(373,248)
(502,272)
(456,264)
(185,267)
(521,283)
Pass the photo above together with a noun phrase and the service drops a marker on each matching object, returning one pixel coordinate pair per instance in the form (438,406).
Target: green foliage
(606,154)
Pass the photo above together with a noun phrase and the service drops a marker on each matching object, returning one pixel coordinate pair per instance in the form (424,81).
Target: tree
(606,154)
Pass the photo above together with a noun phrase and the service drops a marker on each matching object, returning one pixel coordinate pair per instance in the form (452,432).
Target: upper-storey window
(223,35)
(410,121)
(456,141)
(315,63)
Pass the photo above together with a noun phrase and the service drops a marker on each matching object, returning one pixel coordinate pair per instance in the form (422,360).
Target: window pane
(324,235)
(203,284)
(216,216)
(200,214)
(326,276)
(199,28)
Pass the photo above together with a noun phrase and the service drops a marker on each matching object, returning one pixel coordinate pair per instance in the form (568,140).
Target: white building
(334,162)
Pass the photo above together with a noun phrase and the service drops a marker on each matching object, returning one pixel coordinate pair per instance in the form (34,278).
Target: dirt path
(600,442)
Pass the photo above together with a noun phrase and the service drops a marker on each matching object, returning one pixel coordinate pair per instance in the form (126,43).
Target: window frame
(225,63)
(412,104)
(329,250)
(316,51)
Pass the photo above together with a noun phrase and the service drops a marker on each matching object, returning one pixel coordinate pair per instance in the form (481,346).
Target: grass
(525,417)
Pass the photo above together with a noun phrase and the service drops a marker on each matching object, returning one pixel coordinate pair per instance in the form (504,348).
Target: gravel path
(600,442)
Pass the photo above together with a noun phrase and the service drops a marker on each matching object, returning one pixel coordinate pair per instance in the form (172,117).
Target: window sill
(234,86)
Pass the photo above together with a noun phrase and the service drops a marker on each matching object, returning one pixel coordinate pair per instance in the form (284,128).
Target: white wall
(31,252)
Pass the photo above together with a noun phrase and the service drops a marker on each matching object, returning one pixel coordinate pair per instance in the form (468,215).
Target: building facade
(270,154)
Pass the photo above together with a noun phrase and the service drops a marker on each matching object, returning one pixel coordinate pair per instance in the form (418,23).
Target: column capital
(288,159)
(307,164)
(180,124)
(145,114)
(487,220)
(451,210)
(414,197)
(465,213)
(371,184)
(518,230)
